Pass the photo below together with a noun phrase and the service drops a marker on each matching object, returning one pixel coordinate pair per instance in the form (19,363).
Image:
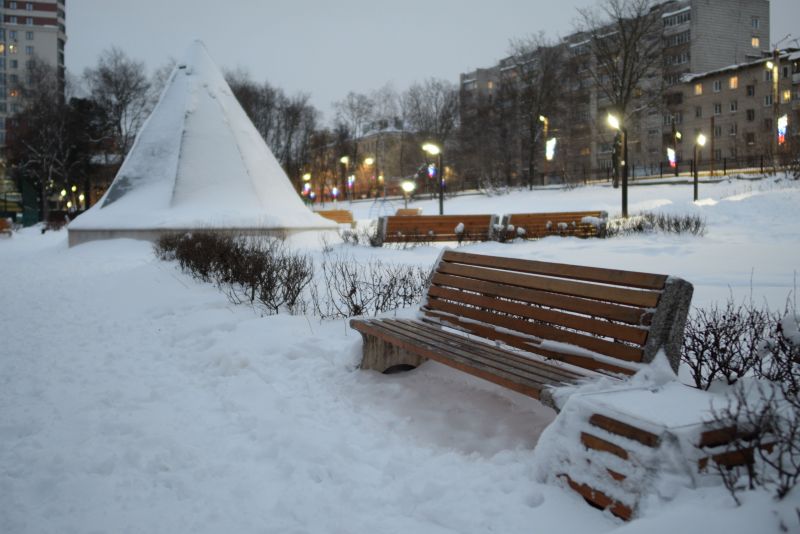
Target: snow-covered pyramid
(197,163)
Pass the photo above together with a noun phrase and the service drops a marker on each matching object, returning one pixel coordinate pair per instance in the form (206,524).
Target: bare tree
(356,111)
(431,108)
(119,86)
(537,79)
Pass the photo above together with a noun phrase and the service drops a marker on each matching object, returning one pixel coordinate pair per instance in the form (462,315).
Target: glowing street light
(434,150)
(307,177)
(616,124)
(408,187)
(550,149)
(63,193)
(369,161)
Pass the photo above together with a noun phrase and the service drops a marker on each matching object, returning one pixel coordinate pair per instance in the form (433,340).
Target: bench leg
(387,358)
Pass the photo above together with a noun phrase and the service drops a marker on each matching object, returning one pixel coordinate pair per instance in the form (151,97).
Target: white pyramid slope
(198,162)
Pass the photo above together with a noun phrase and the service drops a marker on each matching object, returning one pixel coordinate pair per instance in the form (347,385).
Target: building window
(29,50)
(755,23)
(29,21)
(734,106)
(768,75)
(12,5)
(750,138)
(12,35)
(717,109)
(717,86)
(12,19)
(2,63)
(733,82)
(717,131)
(733,130)
(12,49)
(718,154)
(751,90)
(767,125)
(751,115)
(698,112)
(14,80)
(786,72)
(678,18)
(2,34)
(698,89)
(768,100)
(14,64)
(786,96)
(28,6)
(29,36)
(755,42)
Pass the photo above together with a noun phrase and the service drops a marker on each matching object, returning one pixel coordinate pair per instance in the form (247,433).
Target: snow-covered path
(133,399)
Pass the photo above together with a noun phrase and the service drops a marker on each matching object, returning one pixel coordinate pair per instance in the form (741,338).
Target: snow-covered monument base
(198,163)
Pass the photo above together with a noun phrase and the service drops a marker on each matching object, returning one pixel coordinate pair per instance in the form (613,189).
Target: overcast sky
(327,47)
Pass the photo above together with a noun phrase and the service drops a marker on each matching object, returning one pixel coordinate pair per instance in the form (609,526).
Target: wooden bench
(533,326)
(339,216)
(5,226)
(428,228)
(575,223)
(408,212)
(56,220)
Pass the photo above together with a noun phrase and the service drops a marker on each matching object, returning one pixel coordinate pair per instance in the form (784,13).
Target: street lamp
(701,142)
(344,160)
(408,188)
(546,127)
(616,124)
(434,150)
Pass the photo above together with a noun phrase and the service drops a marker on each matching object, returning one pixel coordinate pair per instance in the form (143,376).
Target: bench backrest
(426,228)
(339,216)
(601,319)
(408,212)
(558,223)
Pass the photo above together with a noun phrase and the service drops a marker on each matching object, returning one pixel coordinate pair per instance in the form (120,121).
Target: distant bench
(572,223)
(408,212)
(429,228)
(408,227)
(339,216)
(5,226)
(557,323)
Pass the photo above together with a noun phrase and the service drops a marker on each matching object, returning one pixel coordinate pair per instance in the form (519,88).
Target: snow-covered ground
(133,399)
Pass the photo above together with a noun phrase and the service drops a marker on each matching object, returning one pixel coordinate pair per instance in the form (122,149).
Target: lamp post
(773,66)
(434,150)
(345,161)
(701,142)
(546,126)
(408,188)
(616,124)
(676,137)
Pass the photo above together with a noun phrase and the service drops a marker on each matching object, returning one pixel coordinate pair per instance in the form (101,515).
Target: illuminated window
(13,93)
(755,42)
(491,85)
(12,49)
(733,83)
(2,48)
(786,96)
(698,89)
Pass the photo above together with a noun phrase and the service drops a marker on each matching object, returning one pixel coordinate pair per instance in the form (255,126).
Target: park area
(136,398)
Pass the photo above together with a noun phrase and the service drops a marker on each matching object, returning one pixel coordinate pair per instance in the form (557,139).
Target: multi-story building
(696,36)
(738,108)
(28,30)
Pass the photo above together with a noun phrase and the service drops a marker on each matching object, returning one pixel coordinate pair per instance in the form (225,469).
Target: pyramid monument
(197,163)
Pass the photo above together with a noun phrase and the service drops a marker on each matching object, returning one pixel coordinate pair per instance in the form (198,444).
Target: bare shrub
(348,288)
(648,222)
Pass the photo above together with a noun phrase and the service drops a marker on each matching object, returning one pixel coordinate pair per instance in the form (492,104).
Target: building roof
(786,55)
(198,162)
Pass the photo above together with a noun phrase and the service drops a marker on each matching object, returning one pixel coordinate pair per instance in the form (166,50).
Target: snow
(199,162)
(135,399)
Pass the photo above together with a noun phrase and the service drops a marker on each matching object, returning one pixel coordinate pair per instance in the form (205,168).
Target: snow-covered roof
(198,162)
(736,66)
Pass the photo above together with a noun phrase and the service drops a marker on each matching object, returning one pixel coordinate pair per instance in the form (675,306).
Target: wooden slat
(556,374)
(542,331)
(576,272)
(616,312)
(510,381)
(595,443)
(528,345)
(625,430)
(619,295)
(586,324)
(508,364)
(600,499)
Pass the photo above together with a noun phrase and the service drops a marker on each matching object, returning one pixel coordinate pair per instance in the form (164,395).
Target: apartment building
(736,109)
(697,36)
(27,30)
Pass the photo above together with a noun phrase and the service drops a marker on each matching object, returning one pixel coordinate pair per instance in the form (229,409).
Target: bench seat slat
(527,345)
(619,295)
(586,324)
(472,344)
(497,376)
(615,312)
(524,367)
(592,343)
(576,272)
